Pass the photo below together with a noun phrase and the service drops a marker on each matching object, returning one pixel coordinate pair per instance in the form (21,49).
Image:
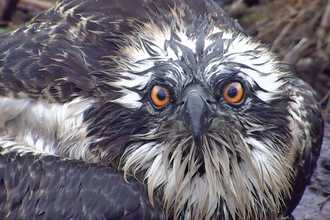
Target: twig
(295,53)
(324,27)
(43,5)
(325,98)
(321,204)
(237,9)
(8,11)
(287,28)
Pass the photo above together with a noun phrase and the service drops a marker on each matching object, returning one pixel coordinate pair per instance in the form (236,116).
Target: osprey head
(207,117)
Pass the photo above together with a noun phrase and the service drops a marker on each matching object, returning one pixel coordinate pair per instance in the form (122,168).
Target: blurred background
(298,30)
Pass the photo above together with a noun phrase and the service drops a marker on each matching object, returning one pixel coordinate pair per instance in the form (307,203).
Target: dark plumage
(207,120)
(48,187)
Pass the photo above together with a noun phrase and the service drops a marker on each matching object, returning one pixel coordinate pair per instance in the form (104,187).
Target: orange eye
(233,92)
(160,96)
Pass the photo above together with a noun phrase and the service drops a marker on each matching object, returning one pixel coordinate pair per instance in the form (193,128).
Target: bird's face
(217,118)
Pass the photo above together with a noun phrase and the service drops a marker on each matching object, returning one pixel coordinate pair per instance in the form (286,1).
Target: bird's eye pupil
(161,95)
(232,91)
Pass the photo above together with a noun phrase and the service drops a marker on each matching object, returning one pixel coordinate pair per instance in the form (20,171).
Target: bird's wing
(49,187)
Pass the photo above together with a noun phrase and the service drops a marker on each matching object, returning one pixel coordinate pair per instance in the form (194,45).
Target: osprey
(150,109)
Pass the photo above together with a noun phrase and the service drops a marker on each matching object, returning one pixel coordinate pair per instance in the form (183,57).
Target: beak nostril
(211,101)
(181,103)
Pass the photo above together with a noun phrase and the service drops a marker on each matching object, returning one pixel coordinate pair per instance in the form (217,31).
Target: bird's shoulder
(306,113)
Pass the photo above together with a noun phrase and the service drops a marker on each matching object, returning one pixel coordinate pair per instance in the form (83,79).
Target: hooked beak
(195,113)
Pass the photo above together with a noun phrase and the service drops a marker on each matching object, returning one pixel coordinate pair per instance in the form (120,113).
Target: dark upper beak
(195,112)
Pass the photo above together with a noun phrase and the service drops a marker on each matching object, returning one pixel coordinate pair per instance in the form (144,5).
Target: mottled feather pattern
(41,179)
(310,126)
(75,86)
